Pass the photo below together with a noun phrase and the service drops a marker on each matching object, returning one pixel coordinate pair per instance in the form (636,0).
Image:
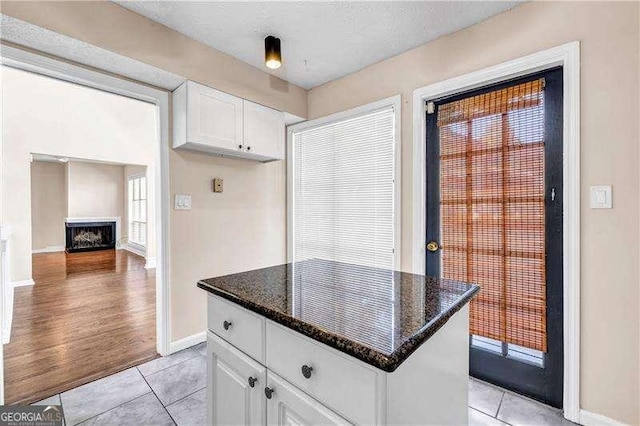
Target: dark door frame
(544,384)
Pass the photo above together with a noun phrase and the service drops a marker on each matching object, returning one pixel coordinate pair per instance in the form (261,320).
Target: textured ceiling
(321,41)
(34,37)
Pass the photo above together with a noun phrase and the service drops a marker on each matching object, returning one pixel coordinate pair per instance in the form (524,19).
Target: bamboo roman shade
(493,211)
(344,190)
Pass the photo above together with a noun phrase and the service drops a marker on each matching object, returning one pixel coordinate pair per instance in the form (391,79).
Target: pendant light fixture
(272,54)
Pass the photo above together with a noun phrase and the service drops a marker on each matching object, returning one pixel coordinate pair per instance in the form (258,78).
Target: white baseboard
(187,342)
(133,249)
(151,263)
(8,315)
(588,418)
(48,249)
(21,283)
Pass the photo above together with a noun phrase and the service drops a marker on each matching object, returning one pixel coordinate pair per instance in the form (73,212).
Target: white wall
(47,116)
(48,205)
(95,190)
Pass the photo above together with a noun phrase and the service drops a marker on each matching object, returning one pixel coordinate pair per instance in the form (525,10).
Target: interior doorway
(91,253)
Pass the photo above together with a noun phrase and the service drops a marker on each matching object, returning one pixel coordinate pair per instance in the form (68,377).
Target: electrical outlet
(217,185)
(182,202)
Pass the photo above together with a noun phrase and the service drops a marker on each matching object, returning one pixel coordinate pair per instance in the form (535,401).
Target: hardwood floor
(88,315)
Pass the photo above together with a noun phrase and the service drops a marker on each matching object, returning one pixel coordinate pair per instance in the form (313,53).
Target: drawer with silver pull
(341,382)
(238,326)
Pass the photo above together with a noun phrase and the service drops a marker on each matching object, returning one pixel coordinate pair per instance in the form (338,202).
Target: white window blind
(344,190)
(137,210)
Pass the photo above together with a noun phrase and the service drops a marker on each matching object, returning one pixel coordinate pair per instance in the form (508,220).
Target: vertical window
(343,187)
(137,210)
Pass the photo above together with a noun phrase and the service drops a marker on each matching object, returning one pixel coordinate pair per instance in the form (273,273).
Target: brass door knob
(432,246)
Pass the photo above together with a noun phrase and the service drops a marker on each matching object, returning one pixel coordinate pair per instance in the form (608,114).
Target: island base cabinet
(235,386)
(288,406)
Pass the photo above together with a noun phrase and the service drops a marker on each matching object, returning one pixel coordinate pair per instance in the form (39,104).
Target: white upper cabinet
(211,121)
(263,131)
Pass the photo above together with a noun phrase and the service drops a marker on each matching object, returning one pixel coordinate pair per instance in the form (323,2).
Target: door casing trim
(48,66)
(568,57)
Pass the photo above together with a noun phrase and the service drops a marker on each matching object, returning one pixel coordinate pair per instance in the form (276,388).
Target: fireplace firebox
(88,236)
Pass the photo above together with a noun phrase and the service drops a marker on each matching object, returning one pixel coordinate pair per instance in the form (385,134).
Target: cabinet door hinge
(430,107)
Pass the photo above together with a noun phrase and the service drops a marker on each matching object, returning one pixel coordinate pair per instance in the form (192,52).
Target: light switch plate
(182,202)
(601,196)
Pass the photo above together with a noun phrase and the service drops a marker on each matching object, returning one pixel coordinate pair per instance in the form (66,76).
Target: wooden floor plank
(88,315)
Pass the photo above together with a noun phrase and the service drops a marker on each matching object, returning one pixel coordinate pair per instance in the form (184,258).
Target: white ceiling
(321,41)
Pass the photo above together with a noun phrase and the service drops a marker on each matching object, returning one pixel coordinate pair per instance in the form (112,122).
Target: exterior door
(494,218)
(235,383)
(288,406)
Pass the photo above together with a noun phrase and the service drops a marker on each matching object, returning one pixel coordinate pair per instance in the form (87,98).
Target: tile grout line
(191,348)
(485,414)
(499,406)
(172,365)
(106,411)
(187,396)
(156,395)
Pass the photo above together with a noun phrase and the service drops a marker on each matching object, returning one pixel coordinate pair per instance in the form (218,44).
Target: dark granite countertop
(375,315)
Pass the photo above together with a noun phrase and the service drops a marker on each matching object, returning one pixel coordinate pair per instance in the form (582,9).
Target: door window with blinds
(494,218)
(492,197)
(343,188)
(137,210)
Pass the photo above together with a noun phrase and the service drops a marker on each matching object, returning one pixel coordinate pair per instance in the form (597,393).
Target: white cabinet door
(263,131)
(214,118)
(235,385)
(288,406)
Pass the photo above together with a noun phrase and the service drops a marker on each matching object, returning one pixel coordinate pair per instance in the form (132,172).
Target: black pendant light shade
(272,55)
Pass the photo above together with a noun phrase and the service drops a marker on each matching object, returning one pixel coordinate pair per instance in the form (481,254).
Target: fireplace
(87,236)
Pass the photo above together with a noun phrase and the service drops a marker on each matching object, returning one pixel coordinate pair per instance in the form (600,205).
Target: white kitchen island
(320,342)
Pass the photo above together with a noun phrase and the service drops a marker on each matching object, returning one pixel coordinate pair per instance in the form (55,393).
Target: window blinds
(344,191)
(493,209)
(138,210)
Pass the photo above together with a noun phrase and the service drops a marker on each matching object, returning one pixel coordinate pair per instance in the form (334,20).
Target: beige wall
(48,204)
(95,190)
(609,36)
(46,116)
(240,229)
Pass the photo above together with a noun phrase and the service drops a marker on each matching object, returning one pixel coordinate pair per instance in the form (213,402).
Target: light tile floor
(171,390)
